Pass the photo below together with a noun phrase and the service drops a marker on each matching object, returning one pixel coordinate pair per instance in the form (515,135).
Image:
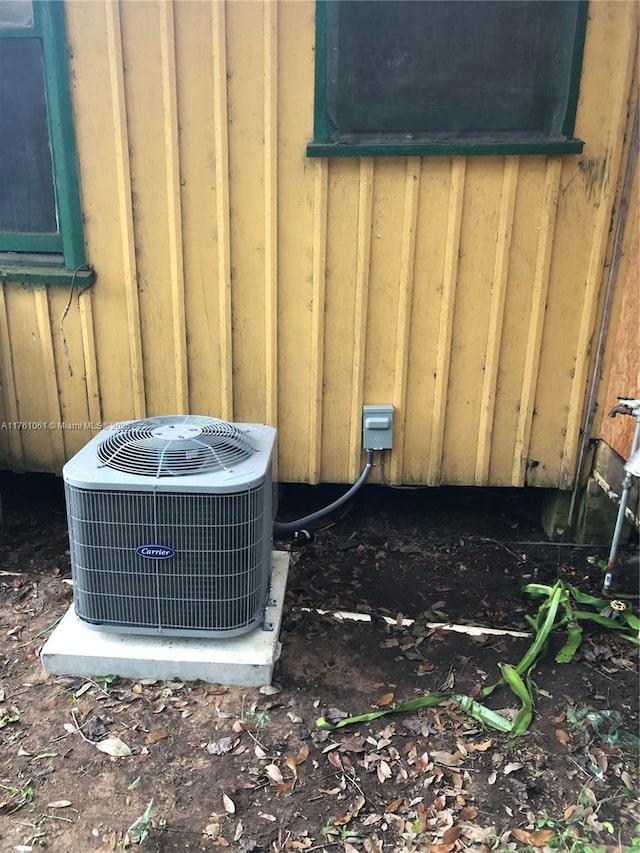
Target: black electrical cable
(283,529)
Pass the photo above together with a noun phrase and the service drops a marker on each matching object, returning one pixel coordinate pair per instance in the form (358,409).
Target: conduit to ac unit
(283,529)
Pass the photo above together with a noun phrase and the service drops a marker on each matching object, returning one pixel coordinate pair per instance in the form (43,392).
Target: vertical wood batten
(125,209)
(174,209)
(320,186)
(43,319)
(546,228)
(9,394)
(343,200)
(443,353)
(405,302)
(223,214)
(85,307)
(363,250)
(245,27)
(434,190)
(271,209)
(496,317)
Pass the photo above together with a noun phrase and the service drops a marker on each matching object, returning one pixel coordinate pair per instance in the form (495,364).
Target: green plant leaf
(631,638)
(537,589)
(483,714)
(427,701)
(475,709)
(599,619)
(567,652)
(631,619)
(522,720)
(139,829)
(584,598)
(536,648)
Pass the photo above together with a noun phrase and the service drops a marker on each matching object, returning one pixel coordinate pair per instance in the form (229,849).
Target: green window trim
(443,149)
(60,257)
(42,269)
(325,145)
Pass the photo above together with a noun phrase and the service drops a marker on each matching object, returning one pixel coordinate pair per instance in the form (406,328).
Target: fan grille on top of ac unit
(171,446)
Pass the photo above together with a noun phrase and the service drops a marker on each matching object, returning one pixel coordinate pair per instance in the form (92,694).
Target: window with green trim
(41,234)
(445,77)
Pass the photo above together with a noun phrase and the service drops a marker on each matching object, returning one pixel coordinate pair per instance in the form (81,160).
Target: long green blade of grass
(482,714)
(567,652)
(427,701)
(522,719)
(599,619)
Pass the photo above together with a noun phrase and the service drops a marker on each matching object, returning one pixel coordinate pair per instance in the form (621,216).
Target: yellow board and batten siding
(239,279)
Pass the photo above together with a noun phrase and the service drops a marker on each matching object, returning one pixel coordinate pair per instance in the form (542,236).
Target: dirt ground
(249,769)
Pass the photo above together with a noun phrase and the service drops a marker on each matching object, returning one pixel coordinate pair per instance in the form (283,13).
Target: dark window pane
(27,197)
(418,67)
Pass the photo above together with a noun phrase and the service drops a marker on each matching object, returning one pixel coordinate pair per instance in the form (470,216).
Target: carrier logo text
(155,552)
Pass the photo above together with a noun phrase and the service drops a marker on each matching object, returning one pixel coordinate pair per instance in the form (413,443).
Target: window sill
(43,269)
(444,149)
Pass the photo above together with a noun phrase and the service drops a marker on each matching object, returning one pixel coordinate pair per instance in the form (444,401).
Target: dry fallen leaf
(219,747)
(59,804)
(154,737)
(539,838)
(300,758)
(383,770)
(626,779)
(480,747)
(114,746)
(212,830)
(352,743)
(468,813)
(451,835)
(447,759)
(334,715)
(273,772)
(335,760)
(352,812)
(562,736)
(512,767)
(291,764)
(229,805)
(385,700)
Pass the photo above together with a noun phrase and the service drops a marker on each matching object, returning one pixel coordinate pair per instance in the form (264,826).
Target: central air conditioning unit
(170,526)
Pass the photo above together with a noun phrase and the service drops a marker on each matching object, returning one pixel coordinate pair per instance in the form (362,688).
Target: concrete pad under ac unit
(244,661)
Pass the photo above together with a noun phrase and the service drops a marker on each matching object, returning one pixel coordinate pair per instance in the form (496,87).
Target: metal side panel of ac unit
(211,580)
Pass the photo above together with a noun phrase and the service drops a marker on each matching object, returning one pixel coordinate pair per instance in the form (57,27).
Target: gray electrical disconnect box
(377,427)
